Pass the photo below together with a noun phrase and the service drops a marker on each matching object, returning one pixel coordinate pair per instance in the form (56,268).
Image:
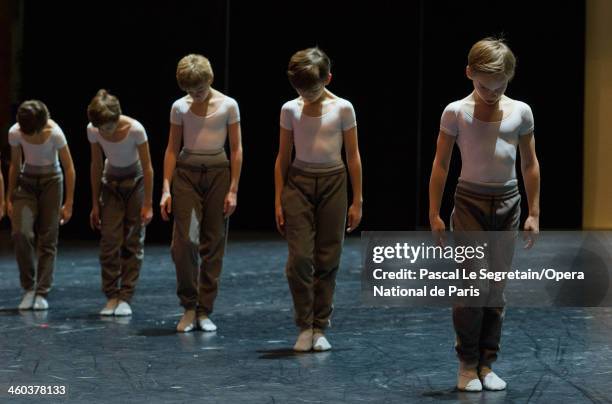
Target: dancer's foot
(206,324)
(110,307)
(27,301)
(319,342)
(123,309)
(304,341)
(490,380)
(186,323)
(40,303)
(467,378)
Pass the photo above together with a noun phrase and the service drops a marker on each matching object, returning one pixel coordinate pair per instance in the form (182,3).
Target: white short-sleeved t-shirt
(488,149)
(44,154)
(318,139)
(204,133)
(125,152)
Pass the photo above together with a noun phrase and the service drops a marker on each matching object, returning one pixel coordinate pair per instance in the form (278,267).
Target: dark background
(399,63)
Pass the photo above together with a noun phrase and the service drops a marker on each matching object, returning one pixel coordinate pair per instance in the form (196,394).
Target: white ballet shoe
(467,379)
(110,307)
(186,324)
(304,341)
(491,381)
(40,303)
(319,342)
(206,324)
(123,309)
(27,301)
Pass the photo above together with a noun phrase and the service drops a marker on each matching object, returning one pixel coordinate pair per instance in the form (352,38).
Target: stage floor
(390,355)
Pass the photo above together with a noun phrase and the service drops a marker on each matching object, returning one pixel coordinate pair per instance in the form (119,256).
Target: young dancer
(34,198)
(200,187)
(311,191)
(487,126)
(122,197)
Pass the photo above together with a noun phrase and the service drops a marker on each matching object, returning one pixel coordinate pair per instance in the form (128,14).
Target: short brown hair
(103,108)
(193,70)
(492,56)
(32,116)
(308,68)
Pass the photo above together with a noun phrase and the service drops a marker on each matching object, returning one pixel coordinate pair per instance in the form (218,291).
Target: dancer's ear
(468,72)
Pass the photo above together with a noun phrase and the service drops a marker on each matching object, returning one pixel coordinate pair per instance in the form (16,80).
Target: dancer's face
(312,94)
(108,129)
(489,87)
(200,92)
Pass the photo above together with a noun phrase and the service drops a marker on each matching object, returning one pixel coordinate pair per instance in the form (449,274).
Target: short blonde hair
(492,56)
(308,68)
(103,108)
(192,71)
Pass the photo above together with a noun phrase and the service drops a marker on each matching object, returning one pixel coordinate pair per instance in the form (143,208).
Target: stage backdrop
(398,64)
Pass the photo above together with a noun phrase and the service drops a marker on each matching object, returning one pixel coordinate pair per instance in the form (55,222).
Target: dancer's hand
(65,213)
(229,205)
(94,217)
(353,217)
(146,213)
(280,219)
(166,205)
(532,229)
(438,229)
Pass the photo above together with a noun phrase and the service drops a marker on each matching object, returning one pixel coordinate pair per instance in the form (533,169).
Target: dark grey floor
(380,355)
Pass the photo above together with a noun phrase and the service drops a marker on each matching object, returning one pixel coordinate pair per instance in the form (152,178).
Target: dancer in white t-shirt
(311,192)
(122,200)
(34,198)
(200,187)
(488,127)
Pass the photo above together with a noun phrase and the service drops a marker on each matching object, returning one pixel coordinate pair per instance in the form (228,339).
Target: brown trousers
(198,195)
(123,235)
(478,327)
(35,224)
(315,206)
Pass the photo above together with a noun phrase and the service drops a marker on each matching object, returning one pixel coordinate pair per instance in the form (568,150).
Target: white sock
(123,309)
(28,301)
(40,303)
(186,322)
(320,343)
(110,307)
(206,324)
(304,341)
(493,382)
